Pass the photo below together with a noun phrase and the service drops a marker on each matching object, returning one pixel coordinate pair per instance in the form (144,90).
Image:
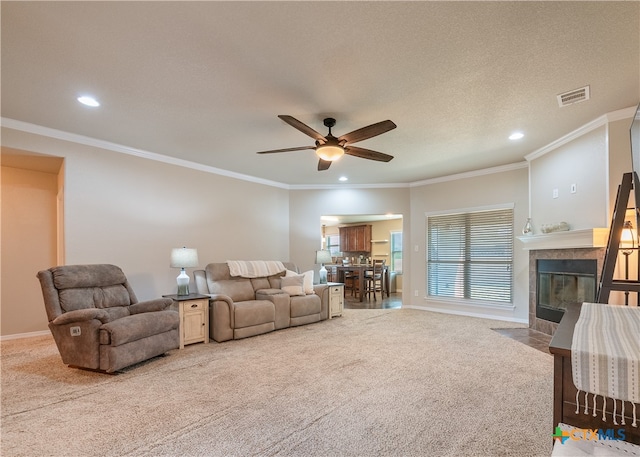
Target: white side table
(194,317)
(336,299)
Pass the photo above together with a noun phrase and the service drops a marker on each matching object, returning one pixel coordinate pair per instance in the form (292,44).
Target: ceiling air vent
(573,96)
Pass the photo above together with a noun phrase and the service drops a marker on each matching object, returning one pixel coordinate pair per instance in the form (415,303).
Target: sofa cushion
(116,313)
(79,276)
(308,279)
(293,285)
(305,306)
(238,289)
(260,283)
(275,282)
(138,326)
(308,282)
(94,297)
(254,312)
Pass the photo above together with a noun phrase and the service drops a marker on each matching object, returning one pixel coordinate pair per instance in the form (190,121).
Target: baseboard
(17,336)
(464,313)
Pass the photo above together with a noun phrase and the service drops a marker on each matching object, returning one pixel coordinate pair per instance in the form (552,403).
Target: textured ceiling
(205,81)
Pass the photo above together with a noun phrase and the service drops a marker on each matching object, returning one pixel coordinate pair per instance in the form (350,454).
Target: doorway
(32,234)
(385,243)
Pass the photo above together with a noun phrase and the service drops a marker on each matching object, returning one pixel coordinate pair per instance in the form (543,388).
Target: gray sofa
(242,307)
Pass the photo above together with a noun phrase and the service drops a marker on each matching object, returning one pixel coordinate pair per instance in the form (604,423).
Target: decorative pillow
(308,282)
(290,273)
(293,285)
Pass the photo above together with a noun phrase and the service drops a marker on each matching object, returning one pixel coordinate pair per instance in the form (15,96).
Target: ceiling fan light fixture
(329,152)
(88,100)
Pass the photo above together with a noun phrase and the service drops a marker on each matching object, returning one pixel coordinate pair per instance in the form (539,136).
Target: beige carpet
(374,382)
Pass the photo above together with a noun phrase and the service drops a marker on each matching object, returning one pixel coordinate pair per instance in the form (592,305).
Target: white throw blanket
(605,356)
(255,268)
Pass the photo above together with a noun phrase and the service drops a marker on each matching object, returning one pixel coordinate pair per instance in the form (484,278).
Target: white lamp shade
(329,152)
(323,256)
(627,238)
(184,258)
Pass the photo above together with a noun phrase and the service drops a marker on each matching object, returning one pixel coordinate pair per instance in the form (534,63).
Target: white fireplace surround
(571,239)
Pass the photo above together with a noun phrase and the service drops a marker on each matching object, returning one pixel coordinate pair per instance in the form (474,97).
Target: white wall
(594,157)
(487,190)
(584,162)
(132,211)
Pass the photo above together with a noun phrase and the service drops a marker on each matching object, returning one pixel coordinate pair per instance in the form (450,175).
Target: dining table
(360,270)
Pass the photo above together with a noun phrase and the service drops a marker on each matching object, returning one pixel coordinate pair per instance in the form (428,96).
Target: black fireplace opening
(561,282)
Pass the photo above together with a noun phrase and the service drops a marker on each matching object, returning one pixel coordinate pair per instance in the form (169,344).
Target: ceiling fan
(329,148)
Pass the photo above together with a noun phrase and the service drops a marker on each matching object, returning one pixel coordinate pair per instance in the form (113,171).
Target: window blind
(470,255)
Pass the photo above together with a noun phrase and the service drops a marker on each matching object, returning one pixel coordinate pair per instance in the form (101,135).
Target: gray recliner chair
(98,323)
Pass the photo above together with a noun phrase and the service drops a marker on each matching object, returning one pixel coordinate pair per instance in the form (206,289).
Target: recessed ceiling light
(516,136)
(343,178)
(88,101)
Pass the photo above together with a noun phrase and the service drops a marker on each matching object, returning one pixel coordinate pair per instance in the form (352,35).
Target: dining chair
(373,279)
(352,283)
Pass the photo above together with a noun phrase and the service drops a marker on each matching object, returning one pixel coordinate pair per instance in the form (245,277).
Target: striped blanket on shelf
(255,268)
(605,357)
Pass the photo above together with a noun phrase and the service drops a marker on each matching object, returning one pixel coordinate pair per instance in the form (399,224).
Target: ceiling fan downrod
(329,122)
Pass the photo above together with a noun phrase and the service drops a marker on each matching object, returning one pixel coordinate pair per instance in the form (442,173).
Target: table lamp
(323,257)
(183,258)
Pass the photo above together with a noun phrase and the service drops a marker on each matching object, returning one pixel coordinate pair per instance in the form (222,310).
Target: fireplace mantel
(571,239)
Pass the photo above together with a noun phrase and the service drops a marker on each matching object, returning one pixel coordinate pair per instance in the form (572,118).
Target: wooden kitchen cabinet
(355,238)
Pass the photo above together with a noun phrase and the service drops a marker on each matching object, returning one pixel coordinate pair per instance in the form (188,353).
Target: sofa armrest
(81,315)
(322,290)
(149,306)
(221,317)
(282,303)
(264,293)
(222,297)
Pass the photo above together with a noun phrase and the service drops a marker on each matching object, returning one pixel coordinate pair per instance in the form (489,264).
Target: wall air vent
(573,96)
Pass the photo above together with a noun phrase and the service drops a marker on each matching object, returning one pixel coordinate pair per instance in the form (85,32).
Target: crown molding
(347,186)
(93,142)
(625,113)
(603,120)
(471,174)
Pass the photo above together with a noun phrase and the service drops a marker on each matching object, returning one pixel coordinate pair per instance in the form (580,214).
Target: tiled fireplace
(576,263)
(572,275)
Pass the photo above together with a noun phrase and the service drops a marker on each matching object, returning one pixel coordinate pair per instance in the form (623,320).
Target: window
(470,255)
(333,245)
(396,251)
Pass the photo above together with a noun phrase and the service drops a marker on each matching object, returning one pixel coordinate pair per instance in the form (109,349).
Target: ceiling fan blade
(367,154)
(367,132)
(323,164)
(301,148)
(304,128)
